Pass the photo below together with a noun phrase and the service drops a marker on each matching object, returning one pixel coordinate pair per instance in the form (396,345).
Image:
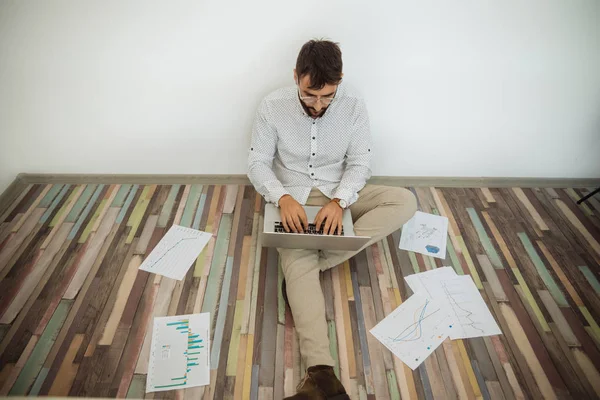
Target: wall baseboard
(380,180)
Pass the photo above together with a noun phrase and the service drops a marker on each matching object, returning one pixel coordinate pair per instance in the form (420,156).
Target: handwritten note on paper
(461,298)
(426,234)
(179,357)
(414,330)
(176,252)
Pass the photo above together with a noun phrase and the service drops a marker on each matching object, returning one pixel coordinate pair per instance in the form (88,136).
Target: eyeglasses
(309,101)
(312,100)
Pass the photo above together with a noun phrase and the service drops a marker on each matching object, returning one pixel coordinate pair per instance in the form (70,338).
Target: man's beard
(316,113)
(312,112)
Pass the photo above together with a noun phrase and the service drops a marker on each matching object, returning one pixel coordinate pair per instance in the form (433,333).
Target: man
(311,145)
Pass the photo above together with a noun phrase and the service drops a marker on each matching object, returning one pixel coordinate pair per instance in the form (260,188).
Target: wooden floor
(75,311)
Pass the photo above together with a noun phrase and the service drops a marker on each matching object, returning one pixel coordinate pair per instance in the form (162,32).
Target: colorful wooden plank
(55,203)
(17,242)
(126,204)
(485,239)
(531,209)
(524,346)
(80,203)
(559,319)
(18,367)
(35,361)
(542,271)
(84,213)
(32,207)
(580,227)
(167,208)
(491,277)
(591,278)
(191,205)
(139,210)
(68,370)
(119,307)
(97,217)
(341,331)
(230,199)
(4,217)
(90,255)
(36,274)
(218,262)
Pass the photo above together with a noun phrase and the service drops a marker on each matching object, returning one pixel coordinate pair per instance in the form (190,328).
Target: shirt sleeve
(358,158)
(260,159)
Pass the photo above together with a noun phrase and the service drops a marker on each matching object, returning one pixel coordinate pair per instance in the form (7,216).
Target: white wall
(461,88)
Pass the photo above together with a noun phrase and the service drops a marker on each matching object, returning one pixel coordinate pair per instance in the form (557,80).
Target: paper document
(426,234)
(414,330)
(179,356)
(176,252)
(420,282)
(459,295)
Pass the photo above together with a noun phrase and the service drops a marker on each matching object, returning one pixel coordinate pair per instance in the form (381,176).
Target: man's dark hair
(322,61)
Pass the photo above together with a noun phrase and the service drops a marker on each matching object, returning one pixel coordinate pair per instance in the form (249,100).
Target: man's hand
(293,216)
(330,216)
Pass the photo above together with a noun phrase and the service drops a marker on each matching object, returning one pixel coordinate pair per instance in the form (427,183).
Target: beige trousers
(379,211)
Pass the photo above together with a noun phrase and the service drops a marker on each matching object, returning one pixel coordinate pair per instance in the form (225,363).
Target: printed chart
(461,299)
(426,234)
(180,353)
(176,252)
(469,309)
(414,330)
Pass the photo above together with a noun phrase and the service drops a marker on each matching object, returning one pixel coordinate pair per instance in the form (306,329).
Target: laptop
(274,235)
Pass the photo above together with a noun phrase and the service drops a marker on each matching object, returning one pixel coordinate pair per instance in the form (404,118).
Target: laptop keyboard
(312,229)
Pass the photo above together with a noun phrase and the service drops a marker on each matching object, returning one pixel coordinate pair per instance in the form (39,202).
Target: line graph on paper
(414,330)
(176,252)
(469,310)
(461,299)
(462,308)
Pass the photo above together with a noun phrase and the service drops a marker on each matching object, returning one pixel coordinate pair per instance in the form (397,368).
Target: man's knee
(409,200)
(297,263)
(404,201)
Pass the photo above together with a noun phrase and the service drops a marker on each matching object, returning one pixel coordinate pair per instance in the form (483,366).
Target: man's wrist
(281,198)
(341,203)
(344,195)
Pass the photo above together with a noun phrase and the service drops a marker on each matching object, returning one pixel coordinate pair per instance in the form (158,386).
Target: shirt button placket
(313,149)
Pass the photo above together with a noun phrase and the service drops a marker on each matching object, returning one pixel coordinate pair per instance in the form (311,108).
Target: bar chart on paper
(180,353)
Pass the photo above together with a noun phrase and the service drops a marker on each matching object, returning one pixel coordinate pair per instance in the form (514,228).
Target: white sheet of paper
(418,282)
(426,234)
(179,356)
(414,330)
(176,252)
(461,298)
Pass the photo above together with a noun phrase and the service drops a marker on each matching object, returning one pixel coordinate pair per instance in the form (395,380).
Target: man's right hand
(293,216)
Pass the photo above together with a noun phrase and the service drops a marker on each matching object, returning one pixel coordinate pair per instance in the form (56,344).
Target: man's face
(318,108)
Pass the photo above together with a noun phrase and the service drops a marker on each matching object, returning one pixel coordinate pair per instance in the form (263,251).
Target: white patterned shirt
(291,152)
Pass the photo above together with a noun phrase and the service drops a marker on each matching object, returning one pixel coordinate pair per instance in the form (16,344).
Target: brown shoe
(320,383)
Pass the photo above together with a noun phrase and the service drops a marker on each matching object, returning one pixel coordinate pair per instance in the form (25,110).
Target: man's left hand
(330,216)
